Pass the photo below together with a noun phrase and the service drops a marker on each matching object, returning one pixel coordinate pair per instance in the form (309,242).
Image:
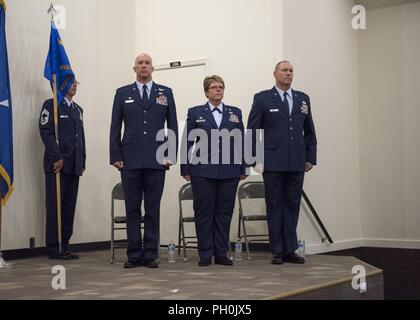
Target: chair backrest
(118,192)
(251,190)
(185,193)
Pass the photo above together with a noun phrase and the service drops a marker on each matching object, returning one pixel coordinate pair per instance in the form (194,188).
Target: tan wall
(389,122)
(241,38)
(323,47)
(366,184)
(99,42)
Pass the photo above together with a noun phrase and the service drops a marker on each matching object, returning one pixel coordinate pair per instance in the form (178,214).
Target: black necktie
(286,102)
(145,98)
(217,109)
(72,110)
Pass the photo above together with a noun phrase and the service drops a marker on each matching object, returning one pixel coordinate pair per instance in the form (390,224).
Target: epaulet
(159,86)
(234,108)
(194,108)
(301,93)
(78,106)
(127,87)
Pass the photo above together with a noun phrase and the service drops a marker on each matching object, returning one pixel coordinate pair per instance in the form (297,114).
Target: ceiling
(377,4)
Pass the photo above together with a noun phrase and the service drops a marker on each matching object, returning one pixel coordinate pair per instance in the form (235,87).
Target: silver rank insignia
(45,116)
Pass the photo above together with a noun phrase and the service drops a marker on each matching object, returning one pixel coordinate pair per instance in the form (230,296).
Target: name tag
(129,101)
(274,110)
(64,117)
(201,120)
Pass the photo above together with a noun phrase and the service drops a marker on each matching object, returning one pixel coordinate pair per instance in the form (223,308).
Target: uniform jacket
(201,117)
(71,137)
(138,145)
(289,141)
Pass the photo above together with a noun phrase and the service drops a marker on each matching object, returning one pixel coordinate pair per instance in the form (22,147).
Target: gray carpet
(93,277)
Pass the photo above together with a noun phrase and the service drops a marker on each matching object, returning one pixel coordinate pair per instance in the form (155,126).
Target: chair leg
(246,239)
(112,232)
(179,235)
(230,249)
(183,241)
(239,226)
(112,243)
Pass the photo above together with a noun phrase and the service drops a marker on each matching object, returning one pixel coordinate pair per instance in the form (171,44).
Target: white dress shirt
(289,97)
(218,116)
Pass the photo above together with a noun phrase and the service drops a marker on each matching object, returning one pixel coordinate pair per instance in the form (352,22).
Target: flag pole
(57,175)
(3,264)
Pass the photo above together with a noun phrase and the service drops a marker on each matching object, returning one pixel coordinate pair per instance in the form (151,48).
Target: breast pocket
(202,124)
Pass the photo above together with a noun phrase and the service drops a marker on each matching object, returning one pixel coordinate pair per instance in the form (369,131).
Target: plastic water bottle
(238,250)
(171,252)
(301,248)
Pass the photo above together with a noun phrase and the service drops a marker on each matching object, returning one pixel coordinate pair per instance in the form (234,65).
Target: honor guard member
(68,158)
(289,151)
(143,107)
(214,183)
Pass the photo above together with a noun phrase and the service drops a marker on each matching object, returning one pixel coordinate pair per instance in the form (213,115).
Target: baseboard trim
(36,252)
(391,243)
(336,246)
(310,249)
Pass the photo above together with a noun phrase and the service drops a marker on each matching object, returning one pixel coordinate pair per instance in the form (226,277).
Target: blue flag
(58,63)
(6,138)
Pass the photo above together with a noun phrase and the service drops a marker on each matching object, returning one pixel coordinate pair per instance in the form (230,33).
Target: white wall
(389,122)
(323,48)
(365,186)
(99,42)
(242,38)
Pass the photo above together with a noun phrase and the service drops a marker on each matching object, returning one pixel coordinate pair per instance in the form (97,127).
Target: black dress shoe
(224,261)
(294,258)
(59,257)
(204,262)
(277,259)
(71,255)
(129,265)
(150,264)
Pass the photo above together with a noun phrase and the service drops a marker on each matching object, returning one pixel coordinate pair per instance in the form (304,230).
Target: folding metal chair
(185,193)
(246,191)
(120,222)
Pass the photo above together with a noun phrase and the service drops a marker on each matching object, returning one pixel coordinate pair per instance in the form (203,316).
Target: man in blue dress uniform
(214,169)
(143,107)
(289,151)
(68,158)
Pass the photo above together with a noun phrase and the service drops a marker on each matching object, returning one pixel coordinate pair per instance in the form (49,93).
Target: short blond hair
(209,80)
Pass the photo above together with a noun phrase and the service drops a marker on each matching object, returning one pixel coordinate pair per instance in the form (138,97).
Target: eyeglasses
(217,87)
